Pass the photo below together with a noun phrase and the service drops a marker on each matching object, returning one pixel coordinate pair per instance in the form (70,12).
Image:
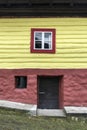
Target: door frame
(61,90)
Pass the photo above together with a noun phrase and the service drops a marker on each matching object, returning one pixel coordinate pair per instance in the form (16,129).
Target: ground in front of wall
(21,120)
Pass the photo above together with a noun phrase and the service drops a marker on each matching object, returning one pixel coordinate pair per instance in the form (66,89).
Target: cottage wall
(71,43)
(68,62)
(73,87)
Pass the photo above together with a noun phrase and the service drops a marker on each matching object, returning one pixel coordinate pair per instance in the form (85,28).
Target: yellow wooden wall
(71,43)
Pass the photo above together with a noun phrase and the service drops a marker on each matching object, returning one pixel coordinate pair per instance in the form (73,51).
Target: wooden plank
(58,21)
(43,66)
(42,61)
(26,55)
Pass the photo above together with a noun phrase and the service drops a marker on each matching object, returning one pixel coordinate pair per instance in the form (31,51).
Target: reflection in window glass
(38,36)
(46,45)
(20,81)
(47,36)
(38,44)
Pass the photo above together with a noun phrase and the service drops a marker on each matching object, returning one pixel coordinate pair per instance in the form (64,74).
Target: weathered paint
(71,43)
(9,92)
(73,90)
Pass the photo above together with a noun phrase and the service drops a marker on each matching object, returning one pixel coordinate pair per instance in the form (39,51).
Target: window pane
(46,45)
(38,36)
(21,81)
(38,44)
(47,37)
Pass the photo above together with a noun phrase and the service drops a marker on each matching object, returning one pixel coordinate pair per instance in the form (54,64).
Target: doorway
(48,93)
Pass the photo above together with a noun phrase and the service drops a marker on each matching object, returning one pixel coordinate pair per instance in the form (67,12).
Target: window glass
(43,40)
(38,36)
(20,81)
(47,37)
(46,45)
(47,40)
(38,44)
(38,40)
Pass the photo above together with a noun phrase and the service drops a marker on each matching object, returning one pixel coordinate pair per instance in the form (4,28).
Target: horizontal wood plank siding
(71,43)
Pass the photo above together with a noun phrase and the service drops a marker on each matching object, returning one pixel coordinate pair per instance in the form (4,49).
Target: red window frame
(43,50)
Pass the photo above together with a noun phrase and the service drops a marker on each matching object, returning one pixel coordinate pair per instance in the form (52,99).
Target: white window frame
(43,40)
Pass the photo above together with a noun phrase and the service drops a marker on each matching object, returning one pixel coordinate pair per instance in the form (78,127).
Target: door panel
(48,92)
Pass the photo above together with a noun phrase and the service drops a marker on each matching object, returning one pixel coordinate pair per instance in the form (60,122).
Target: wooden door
(48,92)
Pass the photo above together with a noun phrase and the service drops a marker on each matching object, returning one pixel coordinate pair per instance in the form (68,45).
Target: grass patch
(21,120)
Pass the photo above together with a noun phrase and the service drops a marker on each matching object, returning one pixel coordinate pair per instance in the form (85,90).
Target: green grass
(21,120)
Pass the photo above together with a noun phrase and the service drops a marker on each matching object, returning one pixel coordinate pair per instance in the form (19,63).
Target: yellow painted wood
(71,43)
(47,60)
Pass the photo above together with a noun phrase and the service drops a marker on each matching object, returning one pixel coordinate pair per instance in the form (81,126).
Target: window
(42,40)
(20,81)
